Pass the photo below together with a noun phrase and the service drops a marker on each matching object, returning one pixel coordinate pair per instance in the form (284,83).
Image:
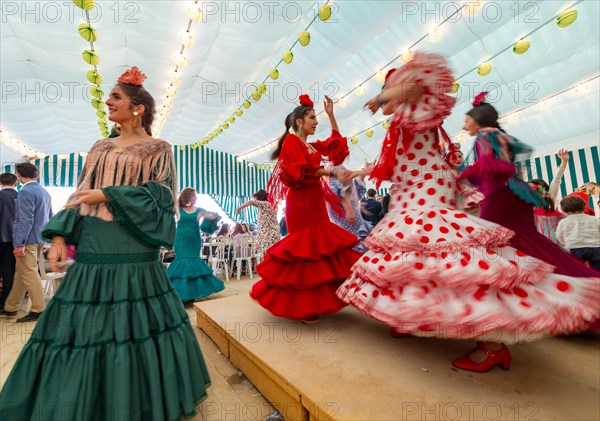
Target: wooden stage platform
(347,367)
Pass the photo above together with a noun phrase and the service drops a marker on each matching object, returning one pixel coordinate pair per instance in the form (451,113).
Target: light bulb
(343,102)
(168,103)
(380,76)
(545,105)
(175,79)
(188,40)
(583,88)
(194,13)
(513,118)
(181,61)
(471,7)
(436,34)
(171,92)
(361,90)
(406,55)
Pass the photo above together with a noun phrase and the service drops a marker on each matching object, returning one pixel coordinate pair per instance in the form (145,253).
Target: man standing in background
(33,210)
(8,195)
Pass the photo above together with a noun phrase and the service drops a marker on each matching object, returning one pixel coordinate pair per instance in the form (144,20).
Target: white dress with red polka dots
(433,270)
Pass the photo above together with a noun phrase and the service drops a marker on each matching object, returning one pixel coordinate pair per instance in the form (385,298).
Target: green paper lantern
(484,69)
(96,91)
(226,125)
(521,46)
(93,76)
(101,114)
(304,38)
(354,140)
(90,57)
(566,18)
(84,4)
(262,89)
(288,57)
(87,32)
(325,12)
(220,130)
(274,74)
(239,112)
(232,119)
(256,95)
(454,88)
(247,104)
(97,103)
(369,133)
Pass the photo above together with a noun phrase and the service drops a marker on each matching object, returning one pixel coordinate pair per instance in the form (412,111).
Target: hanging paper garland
(521,46)
(566,18)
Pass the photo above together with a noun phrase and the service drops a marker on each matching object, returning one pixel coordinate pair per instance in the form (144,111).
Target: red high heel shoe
(500,358)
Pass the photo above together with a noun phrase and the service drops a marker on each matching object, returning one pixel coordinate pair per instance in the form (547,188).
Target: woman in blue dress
(191,277)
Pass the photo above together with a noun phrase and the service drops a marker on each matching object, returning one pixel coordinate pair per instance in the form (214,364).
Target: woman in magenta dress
(510,201)
(433,270)
(301,273)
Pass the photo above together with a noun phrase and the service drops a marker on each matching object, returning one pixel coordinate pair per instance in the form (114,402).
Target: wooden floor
(347,367)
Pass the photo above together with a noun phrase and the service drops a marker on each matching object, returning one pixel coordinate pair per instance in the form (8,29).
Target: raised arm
(404,92)
(563,154)
(329,111)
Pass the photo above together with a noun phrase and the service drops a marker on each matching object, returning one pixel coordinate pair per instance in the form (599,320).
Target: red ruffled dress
(433,270)
(301,273)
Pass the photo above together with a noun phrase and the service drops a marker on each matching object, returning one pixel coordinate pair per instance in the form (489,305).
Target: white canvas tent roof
(45,99)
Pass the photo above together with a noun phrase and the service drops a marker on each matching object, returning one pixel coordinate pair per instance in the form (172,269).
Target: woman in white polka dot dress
(433,270)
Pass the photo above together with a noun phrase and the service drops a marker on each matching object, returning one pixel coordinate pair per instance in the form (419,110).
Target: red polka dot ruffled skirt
(433,270)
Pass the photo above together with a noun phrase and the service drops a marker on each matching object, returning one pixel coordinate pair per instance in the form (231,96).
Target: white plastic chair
(242,252)
(220,257)
(50,280)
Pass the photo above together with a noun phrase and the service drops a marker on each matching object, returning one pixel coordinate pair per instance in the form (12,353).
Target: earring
(135,113)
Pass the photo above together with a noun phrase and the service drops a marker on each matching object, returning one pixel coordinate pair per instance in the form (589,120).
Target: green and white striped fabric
(208,171)
(217,173)
(584,166)
(230,203)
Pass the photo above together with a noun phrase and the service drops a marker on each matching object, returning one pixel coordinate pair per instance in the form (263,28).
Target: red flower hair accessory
(389,73)
(132,76)
(306,101)
(479,99)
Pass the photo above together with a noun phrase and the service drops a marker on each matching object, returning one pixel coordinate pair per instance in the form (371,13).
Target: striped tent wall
(584,166)
(217,173)
(230,203)
(208,171)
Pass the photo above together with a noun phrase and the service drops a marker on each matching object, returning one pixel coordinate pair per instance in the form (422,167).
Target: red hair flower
(306,101)
(389,73)
(480,98)
(132,76)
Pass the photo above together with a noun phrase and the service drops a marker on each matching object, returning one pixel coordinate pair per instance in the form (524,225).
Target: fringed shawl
(110,165)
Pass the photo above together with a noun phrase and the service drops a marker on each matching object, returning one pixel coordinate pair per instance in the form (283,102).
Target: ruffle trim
(454,316)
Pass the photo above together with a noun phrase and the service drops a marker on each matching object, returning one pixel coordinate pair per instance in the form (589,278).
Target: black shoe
(31,317)
(7,313)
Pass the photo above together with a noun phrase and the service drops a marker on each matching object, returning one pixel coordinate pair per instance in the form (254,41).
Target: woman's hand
(563,154)
(89,197)
(373,104)
(57,254)
(328,105)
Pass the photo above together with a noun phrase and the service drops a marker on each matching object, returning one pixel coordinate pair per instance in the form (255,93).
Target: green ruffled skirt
(115,342)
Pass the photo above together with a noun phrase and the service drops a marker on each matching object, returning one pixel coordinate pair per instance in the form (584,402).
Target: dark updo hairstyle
(261,195)
(140,96)
(485,115)
(185,196)
(291,122)
(544,190)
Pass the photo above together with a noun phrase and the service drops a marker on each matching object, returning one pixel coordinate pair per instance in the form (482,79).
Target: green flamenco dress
(191,277)
(115,342)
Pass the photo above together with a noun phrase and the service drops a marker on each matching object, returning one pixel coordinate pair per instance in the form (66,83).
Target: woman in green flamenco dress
(115,342)
(191,277)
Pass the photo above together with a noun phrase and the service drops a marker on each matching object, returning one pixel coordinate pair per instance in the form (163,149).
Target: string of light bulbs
(563,19)
(303,39)
(471,7)
(181,62)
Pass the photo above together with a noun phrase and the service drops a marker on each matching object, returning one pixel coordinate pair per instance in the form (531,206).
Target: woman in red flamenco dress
(433,270)
(301,273)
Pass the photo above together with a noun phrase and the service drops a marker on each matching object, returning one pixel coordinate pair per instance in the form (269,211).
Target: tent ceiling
(46,105)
